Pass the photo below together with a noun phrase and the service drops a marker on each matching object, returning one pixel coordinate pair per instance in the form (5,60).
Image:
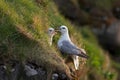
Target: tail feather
(83,54)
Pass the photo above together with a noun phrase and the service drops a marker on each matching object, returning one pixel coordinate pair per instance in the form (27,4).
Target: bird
(66,46)
(51,33)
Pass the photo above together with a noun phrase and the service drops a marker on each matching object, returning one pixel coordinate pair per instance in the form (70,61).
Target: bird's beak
(55,32)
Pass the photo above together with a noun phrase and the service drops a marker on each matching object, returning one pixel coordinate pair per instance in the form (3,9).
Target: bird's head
(63,29)
(51,32)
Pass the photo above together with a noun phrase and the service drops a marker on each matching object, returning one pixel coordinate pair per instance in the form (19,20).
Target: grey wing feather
(71,49)
(67,47)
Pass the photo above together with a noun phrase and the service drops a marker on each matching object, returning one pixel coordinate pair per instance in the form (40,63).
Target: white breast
(59,43)
(64,37)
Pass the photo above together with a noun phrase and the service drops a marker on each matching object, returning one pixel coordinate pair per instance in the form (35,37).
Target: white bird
(51,33)
(66,46)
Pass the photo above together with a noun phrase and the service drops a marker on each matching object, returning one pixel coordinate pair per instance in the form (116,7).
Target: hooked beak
(54,33)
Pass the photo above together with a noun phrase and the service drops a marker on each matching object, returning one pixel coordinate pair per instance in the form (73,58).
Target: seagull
(66,46)
(51,33)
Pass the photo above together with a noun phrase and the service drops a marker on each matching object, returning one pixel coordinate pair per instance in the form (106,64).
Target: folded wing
(69,48)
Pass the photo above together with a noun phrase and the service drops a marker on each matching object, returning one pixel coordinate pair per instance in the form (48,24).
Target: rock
(30,71)
(109,36)
(3,74)
(41,71)
(54,76)
(63,76)
(42,74)
(59,76)
(113,33)
(116,9)
(15,72)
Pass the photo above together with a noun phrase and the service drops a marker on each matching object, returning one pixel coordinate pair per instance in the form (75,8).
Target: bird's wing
(69,48)
(66,47)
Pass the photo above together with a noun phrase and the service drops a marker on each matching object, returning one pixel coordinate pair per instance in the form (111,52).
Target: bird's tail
(83,54)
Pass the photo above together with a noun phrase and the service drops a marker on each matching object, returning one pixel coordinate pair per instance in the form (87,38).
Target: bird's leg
(76,61)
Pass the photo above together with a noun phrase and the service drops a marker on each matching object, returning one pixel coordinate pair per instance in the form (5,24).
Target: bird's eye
(50,30)
(63,28)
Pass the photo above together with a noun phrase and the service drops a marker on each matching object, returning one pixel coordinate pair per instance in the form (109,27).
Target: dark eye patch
(63,28)
(50,30)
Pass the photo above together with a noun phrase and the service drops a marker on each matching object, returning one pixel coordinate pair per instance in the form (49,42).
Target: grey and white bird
(66,46)
(51,33)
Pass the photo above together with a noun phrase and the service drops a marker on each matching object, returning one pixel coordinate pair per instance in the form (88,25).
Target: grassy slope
(22,32)
(22,36)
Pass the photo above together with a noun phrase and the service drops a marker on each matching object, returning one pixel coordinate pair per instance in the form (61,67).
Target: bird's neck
(50,40)
(65,36)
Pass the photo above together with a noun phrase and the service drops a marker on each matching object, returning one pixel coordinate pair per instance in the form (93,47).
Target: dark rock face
(54,76)
(116,9)
(15,72)
(72,11)
(109,37)
(11,74)
(59,76)
(29,71)
(42,74)
(3,74)
(67,10)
